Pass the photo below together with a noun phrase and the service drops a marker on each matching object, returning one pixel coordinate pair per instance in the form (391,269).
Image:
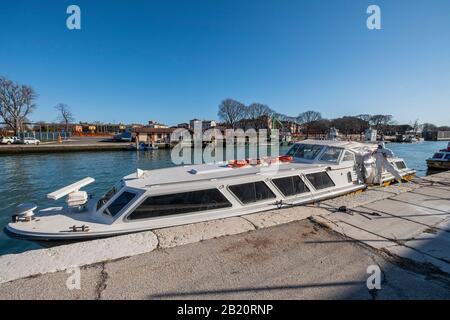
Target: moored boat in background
(440,160)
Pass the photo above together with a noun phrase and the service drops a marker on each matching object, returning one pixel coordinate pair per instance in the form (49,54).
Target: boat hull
(437,164)
(11,231)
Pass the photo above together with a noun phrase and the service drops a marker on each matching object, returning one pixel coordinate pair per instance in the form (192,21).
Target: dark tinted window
(118,204)
(447,156)
(349,177)
(179,203)
(290,186)
(320,180)
(400,165)
(308,151)
(252,192)
(438,155)
(293,150)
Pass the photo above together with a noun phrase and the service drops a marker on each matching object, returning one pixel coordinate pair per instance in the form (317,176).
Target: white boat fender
(25,212)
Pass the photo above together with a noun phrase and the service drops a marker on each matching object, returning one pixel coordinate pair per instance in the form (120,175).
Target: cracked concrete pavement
(298,260)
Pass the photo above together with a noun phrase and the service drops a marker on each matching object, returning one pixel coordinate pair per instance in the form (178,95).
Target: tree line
(234,113)
(17,103)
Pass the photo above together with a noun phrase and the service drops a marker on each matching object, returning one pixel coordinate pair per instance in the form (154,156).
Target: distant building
(156,125)
(206,124)
(443,135)
(436,135)
(154,135)
(183,125)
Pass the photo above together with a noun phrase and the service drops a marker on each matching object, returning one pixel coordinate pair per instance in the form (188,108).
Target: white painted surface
(177,236)
(16,266)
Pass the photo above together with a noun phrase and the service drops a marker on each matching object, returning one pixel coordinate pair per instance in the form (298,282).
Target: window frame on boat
(400,165)
(124,208)
(127,219)
(319,155)
(109,195)
(297,147)
(337,160)
(308,192)
(253,202)
(312,184)
(348,152)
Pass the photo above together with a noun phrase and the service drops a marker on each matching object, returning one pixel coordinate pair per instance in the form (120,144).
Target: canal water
(28,178)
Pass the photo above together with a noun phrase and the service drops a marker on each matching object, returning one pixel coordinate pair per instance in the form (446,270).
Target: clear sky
(173,60)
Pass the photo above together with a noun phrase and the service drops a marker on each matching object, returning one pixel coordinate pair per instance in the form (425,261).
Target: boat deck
(194,173)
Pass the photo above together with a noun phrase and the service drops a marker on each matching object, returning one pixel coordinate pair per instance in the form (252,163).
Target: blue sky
(173,60)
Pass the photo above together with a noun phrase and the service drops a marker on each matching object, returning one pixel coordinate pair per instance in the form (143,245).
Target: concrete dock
(305,252)
(75,144)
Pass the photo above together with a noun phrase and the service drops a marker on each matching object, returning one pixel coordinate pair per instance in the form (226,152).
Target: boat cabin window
(438,155)
(252,192)
(292,150)
(447,156)
(348,156)
(172,204)
(290,186)
(305,151)
(320,180)
(331,154)
(121,201)
(111,193)
(400,165)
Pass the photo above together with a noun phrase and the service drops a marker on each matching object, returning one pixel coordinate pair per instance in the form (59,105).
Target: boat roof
(358,147)
(208,172)
(339,143)
(205,172)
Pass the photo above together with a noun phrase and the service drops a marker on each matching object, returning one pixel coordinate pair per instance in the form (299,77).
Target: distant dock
(62,148)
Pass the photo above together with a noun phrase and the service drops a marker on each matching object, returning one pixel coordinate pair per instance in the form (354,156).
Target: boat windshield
(438,155)
(332,154)
(305,151)
(108,195)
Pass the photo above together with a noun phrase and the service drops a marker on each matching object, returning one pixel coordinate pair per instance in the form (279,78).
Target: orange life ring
(286,158)
(237,163)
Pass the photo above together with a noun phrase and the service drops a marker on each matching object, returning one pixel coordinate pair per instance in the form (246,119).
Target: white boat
(145,200)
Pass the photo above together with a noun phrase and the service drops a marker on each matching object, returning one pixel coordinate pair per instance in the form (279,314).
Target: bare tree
(429,127)
(65,114)
(350,125)
(307,117)
(259,114)
(16,103)
(415,126)
(365,117)
(380,120)
(231,112)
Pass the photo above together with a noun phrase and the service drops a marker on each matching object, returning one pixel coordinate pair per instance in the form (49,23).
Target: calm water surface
(28,178)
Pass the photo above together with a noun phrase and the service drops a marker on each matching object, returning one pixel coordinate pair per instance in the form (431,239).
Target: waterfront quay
(73,144)
(318,251)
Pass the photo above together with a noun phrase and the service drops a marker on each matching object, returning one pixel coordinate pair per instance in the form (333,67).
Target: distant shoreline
(61,148)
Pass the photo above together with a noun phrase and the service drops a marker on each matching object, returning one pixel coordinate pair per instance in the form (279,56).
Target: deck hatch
(290,186)
(179,203)
(320,180)
(252,192)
